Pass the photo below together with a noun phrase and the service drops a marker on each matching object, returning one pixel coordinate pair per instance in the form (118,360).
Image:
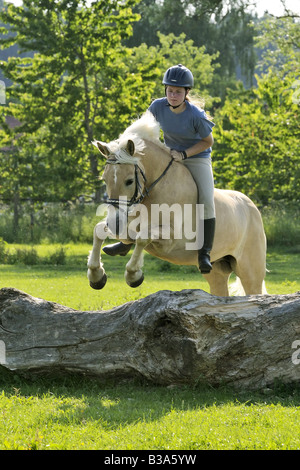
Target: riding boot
(117,249)
(204,254)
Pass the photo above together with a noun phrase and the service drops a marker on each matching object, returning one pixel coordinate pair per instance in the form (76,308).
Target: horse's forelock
(118,149)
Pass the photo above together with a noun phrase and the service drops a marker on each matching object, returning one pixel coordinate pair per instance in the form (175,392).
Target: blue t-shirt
(182,130)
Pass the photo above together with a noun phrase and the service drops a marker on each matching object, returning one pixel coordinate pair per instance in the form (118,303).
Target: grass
(67,284)
(79,413)
(76,413)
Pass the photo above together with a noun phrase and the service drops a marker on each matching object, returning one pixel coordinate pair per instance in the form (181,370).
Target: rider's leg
(201,170)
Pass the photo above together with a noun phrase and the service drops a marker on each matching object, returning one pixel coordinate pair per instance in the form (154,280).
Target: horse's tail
(236,288)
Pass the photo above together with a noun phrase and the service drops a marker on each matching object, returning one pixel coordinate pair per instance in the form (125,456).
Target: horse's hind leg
(218,278)
(96,273)
(251,270)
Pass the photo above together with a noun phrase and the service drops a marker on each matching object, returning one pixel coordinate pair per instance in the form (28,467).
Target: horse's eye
(129,182)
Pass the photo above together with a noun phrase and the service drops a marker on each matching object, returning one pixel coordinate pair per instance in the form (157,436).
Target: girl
(188,133)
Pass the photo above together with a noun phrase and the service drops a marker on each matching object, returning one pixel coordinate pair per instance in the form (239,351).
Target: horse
(141,177)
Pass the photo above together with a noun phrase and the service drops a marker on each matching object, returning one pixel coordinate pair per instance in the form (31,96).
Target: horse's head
(124,173)
(124,178)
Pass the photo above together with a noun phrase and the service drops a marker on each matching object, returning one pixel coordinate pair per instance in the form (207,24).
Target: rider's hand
(178,156)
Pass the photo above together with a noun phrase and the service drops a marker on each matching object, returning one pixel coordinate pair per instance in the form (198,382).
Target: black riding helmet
(179,75)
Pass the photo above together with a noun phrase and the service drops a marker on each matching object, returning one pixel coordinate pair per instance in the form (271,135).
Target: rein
(138,195)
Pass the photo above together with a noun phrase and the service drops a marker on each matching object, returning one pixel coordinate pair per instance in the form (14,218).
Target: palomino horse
(140,176)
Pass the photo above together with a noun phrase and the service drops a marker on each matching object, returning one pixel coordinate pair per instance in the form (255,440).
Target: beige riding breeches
(201,169)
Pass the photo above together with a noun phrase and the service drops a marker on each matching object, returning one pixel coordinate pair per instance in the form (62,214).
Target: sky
(272,6)
(275,6)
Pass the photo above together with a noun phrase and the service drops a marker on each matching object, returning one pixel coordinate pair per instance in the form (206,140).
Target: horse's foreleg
(96,273)
(134,275)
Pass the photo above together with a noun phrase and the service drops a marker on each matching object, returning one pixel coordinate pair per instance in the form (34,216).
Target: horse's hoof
(99,284)
(138,282)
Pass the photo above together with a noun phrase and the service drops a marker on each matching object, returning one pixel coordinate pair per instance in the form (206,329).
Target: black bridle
(138,195)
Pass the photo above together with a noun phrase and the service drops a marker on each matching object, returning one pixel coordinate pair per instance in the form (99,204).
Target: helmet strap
(175,107)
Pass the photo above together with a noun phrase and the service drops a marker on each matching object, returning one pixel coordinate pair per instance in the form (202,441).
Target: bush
(58,257)
(282,226)
(29,256)
(50,223)
(25,256)
(3,251)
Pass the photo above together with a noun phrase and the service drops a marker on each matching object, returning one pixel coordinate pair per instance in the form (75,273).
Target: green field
(67,284)
(80,413)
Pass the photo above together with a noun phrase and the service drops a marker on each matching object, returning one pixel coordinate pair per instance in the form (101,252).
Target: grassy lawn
(68,284)
(80,413)
(76,413)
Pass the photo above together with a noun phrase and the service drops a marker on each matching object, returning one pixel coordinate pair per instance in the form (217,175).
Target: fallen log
(167,337)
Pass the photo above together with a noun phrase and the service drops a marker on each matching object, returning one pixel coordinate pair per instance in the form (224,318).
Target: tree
(172,50)
(62,95)
(220,26)
(257,136)
(167,338)
(179,49)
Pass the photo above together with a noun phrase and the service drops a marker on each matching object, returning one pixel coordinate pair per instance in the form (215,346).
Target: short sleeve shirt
(182,130)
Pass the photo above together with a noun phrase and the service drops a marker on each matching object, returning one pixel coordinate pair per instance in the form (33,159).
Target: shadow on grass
(125,401)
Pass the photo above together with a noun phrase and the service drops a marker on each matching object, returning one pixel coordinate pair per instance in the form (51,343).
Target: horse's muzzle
(117,222)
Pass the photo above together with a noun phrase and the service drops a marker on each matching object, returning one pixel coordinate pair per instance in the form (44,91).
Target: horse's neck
(155,160)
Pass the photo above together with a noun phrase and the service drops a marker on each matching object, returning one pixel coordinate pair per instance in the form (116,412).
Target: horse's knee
(101,231)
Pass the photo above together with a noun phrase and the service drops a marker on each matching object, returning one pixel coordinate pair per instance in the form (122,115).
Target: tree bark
(168,338)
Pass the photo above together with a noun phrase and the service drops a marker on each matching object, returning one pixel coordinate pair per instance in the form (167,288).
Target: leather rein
(138,195)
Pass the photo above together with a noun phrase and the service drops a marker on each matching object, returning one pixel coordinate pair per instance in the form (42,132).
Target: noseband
(138,195)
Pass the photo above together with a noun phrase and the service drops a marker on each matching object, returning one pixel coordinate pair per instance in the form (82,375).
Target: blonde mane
(144,128)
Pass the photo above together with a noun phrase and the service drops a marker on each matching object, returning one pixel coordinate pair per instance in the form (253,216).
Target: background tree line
(85,70)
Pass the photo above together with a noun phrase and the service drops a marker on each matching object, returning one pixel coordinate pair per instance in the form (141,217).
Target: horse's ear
(103,149)
(130,147)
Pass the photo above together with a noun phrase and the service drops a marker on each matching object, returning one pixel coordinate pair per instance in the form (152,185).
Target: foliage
(282,226)
(257,132)
(58,223)
(171,50)
(179,49)
(84,83)
(29,256)
(80,84)
(62,95)
(221,26)
(50,223)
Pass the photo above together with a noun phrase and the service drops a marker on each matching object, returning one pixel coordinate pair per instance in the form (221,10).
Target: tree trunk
(168,338)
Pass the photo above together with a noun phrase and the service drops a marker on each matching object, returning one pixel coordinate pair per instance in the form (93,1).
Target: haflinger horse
(141,177)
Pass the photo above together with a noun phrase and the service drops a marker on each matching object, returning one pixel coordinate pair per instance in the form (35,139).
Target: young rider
(188,133)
